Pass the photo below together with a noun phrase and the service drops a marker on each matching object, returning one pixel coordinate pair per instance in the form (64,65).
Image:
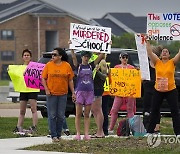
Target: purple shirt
(84,78)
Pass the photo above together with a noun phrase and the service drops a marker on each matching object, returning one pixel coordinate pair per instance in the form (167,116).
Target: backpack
(123,128)
(137,126)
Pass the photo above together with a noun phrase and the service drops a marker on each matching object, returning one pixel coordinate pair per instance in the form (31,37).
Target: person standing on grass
(24,98)
(99,80)
(56,77)
(119,101)
(164,87)
(84,90)
(148,86)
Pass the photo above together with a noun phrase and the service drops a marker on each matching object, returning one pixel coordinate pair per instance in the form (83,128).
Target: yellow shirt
(166,70)
(58,77)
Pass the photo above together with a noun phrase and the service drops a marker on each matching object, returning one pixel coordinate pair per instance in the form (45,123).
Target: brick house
(32,24)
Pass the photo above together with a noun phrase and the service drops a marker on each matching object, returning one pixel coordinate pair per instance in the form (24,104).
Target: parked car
(113,58)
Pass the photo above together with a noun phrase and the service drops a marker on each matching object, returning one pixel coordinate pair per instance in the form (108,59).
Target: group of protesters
(58,75)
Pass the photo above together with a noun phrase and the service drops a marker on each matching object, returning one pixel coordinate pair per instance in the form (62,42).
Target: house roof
(125,22)
(4,6)
(116,30)
(9,11)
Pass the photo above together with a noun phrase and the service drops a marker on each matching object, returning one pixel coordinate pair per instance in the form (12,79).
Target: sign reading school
(90,38)
(163,26)
(125,82)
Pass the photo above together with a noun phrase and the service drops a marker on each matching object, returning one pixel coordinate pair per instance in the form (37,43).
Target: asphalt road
(12,110)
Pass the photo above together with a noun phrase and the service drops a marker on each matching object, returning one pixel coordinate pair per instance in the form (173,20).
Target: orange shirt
(58,77)
(166,70)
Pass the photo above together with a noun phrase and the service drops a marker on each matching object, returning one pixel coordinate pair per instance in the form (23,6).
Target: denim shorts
(84,97)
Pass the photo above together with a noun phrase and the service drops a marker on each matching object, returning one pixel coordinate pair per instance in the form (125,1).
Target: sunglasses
(54,54)
(123,57)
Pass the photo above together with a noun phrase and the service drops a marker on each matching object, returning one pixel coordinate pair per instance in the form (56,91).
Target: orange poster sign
(125,82)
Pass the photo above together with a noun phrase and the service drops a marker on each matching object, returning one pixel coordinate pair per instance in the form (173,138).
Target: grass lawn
(99,146)
(4,82)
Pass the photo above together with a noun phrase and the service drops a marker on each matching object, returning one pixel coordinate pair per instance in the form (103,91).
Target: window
(7,35)
(4,74)
(7,55)
(51,22)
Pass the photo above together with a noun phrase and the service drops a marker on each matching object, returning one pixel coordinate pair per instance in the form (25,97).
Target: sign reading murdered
(16,73)
(90,38)
(163,26)
(32,75)
(125,82)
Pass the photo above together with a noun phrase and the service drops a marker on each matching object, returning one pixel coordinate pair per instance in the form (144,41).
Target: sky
(88,9)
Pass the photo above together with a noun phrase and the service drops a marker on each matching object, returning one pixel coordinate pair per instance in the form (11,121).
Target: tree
(127,40)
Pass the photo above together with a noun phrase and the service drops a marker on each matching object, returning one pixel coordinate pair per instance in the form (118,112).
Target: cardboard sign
(143,57)
(163,26)
(90,38)
(16,73)
(125,82)
(32,75)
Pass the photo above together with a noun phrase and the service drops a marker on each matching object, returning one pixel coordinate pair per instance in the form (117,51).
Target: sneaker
(110,132)
(33,129)
(49,135)
(77,137)
(55,139)
(86,137)
(17,129)
(66,132)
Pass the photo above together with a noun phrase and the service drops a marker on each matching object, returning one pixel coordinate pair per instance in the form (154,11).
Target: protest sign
(142,55)
(163,26)
(90,38)
(32,75)
(16,73)
(106,84)
(125,82)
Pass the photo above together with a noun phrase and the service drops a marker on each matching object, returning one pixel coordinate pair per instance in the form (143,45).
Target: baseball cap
(87,53)
(123,54)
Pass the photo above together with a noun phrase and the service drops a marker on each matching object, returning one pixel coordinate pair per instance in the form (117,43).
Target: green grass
(8,124)
(97,146)
(108,145)
(4,82)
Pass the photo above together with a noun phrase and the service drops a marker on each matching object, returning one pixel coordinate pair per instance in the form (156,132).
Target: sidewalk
(12,110)
(15,145)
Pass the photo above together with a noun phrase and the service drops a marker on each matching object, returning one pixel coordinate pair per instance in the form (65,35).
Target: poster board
(125,82)
(90,38)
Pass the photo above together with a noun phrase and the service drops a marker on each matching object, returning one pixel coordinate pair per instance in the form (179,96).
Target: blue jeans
(56,106)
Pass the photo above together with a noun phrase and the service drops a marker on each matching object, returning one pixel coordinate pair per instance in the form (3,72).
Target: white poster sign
(143,57)
(163,26)
(90,38)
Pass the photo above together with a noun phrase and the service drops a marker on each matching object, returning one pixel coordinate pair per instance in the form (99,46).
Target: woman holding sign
(24,98)
(164,87)
(56,77)
(119,101)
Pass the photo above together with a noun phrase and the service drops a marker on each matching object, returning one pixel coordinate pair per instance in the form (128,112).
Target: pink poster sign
(32,75)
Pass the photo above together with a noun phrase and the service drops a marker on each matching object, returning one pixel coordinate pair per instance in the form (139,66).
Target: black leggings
(172,99)
(149,89)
